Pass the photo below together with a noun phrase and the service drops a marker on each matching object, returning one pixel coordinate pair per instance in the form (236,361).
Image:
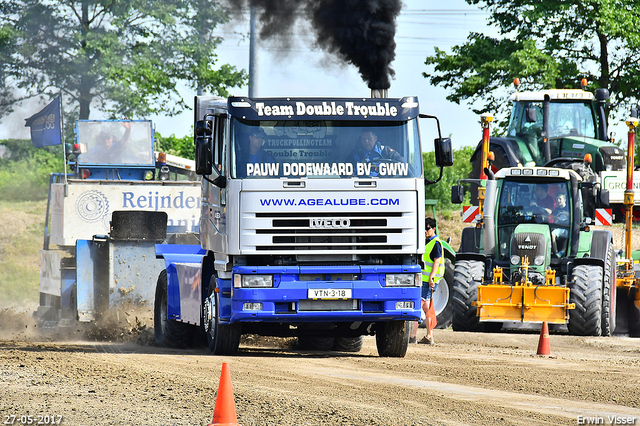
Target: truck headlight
(515,259)
(403,280)
(252,281)
(538,260)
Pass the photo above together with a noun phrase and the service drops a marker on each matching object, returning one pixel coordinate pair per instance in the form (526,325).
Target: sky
(303,70)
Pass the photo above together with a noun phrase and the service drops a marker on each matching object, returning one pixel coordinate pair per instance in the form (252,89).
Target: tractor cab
(534,206)
(113,149)
(536,210)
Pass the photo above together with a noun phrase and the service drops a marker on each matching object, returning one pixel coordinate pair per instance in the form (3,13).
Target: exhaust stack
(379,93)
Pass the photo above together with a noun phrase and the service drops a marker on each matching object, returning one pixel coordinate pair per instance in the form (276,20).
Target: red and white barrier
(469,213)
(604,217)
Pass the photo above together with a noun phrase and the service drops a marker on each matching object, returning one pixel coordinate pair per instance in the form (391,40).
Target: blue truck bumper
(317,294)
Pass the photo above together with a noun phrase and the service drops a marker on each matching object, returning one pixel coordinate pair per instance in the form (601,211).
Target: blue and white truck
(310,238)
(104,218)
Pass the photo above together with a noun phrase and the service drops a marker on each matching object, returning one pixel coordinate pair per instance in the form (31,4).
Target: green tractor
(549,126)
(533,256)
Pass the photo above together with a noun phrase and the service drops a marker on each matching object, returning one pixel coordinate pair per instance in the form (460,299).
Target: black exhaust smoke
(359,32)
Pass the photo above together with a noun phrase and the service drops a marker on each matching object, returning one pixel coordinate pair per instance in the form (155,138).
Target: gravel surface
(466,378)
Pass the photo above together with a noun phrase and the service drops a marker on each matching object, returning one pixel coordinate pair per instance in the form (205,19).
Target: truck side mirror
(457,194)
(443,151)
(532,115)
(220,181)
(603,198)
(204,164)
(202,128)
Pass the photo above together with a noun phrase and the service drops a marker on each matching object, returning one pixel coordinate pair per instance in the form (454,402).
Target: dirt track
(466,378)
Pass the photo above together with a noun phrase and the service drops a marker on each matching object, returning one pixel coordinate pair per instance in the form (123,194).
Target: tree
(547,44)
(441,191)
(6,48)
(123,57)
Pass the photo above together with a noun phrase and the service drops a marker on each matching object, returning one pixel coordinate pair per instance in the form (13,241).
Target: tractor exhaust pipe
(545,129)
(379,93)
(488,214)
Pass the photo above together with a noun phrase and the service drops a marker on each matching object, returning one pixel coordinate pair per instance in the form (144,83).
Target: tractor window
(565,119)
(520,126)
(111,142)
(571,119)
(541,202)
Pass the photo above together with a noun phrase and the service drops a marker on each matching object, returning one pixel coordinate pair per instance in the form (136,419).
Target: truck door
(214,197)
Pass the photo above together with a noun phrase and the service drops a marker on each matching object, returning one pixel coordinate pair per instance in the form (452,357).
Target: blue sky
(304,71)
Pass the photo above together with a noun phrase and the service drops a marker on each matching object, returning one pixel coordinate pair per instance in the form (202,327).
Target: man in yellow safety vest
(431,274)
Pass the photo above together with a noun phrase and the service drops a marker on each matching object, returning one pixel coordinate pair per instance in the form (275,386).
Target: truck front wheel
(223,339)
(168,333)
(392,338)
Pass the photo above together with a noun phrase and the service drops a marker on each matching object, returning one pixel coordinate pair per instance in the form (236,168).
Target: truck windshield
(565,119)
(325,149)
(534,202)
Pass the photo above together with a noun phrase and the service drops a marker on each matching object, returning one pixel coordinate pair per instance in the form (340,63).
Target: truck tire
(315,343)
(392,338)
(310,340)
(467,277)
(609,294)
(222,339)
(586,292)
(168,333)
(442,298)
(348,344)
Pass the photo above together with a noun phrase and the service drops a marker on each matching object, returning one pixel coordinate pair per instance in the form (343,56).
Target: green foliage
(595,39)
(124,57)
(441,191)
(182,147)
(24,176)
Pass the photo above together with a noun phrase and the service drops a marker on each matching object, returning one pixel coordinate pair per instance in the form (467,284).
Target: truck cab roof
(366,109)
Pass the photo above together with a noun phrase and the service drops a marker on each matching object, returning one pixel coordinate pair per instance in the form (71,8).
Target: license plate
(329,293)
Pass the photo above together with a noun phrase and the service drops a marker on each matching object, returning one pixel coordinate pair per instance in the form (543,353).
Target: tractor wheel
(392,338)
(442,298)
(634,316)
(348,344)
(168,333)
(222,339)
(609,294)
(467,277)
(586,293)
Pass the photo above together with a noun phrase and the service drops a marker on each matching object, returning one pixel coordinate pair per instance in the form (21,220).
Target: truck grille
(370,231)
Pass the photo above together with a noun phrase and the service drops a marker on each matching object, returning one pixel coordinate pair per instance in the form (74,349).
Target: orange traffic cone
(224,413)
(543,343)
